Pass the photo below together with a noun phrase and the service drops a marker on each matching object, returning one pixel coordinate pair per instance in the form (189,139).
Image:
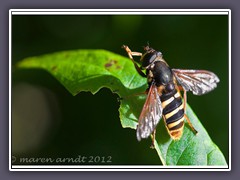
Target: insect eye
(148,58)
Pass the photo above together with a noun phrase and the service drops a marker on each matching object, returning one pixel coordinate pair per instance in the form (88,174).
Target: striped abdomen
(173,113)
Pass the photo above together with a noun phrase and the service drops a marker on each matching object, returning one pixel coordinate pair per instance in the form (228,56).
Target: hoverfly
(163,94)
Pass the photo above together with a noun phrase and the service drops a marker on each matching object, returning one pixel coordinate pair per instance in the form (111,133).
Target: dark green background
(89,125)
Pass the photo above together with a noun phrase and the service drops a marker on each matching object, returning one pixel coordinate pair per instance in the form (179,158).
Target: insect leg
(153,139)
(185,107)
(130,55)
(180,88)
(185,100)
(190,124)
(136,94)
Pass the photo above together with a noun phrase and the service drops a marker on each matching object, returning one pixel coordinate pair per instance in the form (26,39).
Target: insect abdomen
(173,113)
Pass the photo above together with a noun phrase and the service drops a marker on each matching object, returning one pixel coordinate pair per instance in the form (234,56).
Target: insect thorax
(160,72)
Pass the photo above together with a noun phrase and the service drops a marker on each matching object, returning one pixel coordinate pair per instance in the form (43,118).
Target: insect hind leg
(185,108)
(190,124)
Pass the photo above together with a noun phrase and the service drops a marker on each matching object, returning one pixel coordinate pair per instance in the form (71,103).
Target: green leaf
(191,149)
(91,70)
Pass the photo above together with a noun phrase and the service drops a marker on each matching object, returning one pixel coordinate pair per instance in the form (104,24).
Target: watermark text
(63,160)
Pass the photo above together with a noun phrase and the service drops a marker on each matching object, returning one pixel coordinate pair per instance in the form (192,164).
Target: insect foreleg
(130,55)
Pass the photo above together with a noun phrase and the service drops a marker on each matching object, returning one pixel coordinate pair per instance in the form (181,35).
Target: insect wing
(150,115)
(198,81)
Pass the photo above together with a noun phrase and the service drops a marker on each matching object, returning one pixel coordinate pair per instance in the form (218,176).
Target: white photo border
(117,12)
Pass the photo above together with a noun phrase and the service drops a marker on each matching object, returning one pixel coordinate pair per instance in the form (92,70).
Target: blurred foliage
(189,42)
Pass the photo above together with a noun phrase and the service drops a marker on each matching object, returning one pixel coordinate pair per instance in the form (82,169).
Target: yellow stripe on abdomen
(165,103)
(173,112)
(171,125)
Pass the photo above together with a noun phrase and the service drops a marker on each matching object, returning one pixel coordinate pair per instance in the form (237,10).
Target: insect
(164,99)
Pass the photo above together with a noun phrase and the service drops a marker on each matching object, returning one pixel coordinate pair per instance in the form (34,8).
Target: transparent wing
(150,115)
(198,81)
